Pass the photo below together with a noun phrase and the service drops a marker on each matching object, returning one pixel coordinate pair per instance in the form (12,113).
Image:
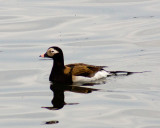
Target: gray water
(121,34)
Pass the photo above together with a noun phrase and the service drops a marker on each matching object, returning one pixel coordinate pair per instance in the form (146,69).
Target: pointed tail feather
(126,73)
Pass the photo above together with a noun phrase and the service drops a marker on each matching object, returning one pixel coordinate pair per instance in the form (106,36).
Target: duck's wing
(80,69)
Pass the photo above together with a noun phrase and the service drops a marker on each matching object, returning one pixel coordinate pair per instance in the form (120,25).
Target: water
(122,34)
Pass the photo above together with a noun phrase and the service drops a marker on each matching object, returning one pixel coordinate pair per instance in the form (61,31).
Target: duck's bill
(43,55)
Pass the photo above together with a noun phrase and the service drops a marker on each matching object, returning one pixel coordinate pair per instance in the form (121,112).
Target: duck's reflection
(58,101)
(58,90)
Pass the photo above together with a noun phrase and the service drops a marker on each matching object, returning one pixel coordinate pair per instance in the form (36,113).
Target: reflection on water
(52,122)
(58,90)
(58,100)
(122,34)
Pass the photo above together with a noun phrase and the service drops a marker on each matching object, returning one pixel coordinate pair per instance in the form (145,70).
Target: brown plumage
(80,69)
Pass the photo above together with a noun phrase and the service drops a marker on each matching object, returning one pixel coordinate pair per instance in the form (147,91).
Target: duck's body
(78,72)
(70,73)
(86,73)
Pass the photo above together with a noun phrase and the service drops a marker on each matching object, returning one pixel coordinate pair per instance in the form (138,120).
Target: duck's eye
(52,51)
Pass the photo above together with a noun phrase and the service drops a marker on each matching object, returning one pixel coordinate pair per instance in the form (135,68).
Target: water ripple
(33,25)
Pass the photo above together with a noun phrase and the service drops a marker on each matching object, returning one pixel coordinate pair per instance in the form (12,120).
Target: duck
(73,73)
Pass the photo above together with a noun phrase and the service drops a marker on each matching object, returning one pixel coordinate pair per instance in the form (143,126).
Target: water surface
(122,34)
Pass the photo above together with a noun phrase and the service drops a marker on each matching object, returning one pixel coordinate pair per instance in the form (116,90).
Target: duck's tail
(122,73)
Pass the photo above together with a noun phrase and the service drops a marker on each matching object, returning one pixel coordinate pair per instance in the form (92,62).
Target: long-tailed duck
(78,72)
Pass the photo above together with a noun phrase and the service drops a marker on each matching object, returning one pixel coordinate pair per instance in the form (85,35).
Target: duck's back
(85,73)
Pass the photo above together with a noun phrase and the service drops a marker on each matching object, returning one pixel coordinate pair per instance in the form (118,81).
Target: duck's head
(53,52)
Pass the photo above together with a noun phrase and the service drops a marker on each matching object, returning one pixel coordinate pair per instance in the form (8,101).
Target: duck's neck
(58,65)
(57,69)
(57,73)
